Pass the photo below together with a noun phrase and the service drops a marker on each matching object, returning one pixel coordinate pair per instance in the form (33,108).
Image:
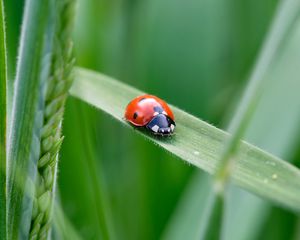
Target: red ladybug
(151,113)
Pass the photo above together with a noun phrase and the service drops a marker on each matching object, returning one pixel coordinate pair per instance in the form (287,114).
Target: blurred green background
(195,54)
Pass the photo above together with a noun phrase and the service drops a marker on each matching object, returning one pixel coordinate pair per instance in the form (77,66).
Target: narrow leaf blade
(3,122)
(198,142)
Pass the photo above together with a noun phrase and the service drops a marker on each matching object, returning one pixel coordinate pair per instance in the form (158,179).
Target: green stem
(96,180)
(3,123)
(64,228)
(214,212)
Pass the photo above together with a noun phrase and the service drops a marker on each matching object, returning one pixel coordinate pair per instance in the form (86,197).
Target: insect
(152,113)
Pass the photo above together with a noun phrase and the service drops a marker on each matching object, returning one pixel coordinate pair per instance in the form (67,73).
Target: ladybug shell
(142,109)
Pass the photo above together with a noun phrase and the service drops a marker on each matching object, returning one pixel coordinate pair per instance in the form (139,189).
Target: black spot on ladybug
(158,109)
(135,115)
(142,99)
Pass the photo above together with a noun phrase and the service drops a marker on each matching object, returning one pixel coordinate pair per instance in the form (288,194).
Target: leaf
(195,194)
(74,154)
(198,142)
(23,151)
(95,180)
(211,229)
(62,225)
(3,121)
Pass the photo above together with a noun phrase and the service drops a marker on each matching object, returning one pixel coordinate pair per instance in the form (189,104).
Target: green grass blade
(212,218)
(23,153)
(3,126)
(95,177)
(62,225)
(187,217)
(199,143)
(82,152)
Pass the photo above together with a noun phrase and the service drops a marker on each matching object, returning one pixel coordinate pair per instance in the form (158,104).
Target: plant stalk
(3,123)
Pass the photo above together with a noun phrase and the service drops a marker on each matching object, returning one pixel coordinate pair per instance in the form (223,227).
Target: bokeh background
(195,54)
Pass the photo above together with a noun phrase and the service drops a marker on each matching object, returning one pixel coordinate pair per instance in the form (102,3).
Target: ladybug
(152,113)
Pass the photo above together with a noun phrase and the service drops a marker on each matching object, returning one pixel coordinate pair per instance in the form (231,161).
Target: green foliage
(63,228)
(3,121)
(197,142)
(196,55)
(211,226)
(86,170)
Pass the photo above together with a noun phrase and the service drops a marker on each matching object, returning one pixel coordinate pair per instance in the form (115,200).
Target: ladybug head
(161,124)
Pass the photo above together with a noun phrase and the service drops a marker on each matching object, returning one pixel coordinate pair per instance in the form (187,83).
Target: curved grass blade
(23,151)
(3,126)
(198,142)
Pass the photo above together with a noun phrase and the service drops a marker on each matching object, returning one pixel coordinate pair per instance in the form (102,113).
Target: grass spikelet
(59,82)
